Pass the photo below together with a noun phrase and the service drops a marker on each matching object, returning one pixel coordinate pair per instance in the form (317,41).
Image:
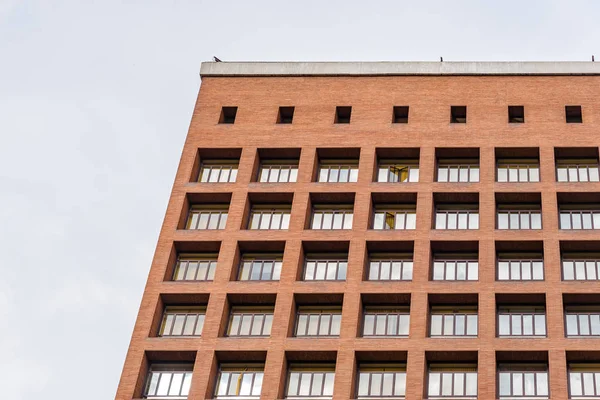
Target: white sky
(84,83)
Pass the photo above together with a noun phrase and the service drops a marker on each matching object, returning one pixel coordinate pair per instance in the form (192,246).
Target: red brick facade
(372,99)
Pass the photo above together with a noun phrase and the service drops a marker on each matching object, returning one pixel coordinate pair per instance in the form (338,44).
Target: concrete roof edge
(391,68)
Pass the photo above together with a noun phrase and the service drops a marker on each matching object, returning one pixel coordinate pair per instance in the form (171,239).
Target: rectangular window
(400,115)
(342,114)
(182,321)
(520,267)
(270,217)
(398,171)
(580,267)
(338,172)
(381,381)
(195,267)
(582,321)
(451,321)
(168,381)
(318,321)
(207,217)
(577,219)
(228,115)
(285,115)
(278,172)
(399,218)
(239,381)
(521,321)
(339,217)
(386,321)
(458,114)
(519,218)
(215,171)
(577,170)
(584,381)
(573,114)
(310,381)
(325,267)
(250,321)
(260,267)
(523,381)
(455,268)
(458,171)
(452,382)
(456,218)
(518,171)
(390,267)
(516,114)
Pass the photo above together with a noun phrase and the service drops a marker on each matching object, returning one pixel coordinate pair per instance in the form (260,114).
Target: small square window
(228,115)
(286,115)
(400,114)
(342,114)
(458,114)
(516,114)
(573,114)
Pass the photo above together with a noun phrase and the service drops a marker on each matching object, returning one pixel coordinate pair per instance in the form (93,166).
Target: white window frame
(400,171)
(272,217)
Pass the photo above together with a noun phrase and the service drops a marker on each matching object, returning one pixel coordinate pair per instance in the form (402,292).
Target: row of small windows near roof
(399,114)
(388,261)
(394,211)
(519,375)
(399,165)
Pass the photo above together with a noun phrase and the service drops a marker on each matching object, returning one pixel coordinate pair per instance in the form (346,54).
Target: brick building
(379,230)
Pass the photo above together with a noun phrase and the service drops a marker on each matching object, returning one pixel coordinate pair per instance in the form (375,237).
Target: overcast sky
(95,103)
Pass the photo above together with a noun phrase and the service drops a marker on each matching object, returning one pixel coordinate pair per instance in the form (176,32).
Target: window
(582,321)
(260,267)
(207,217)
(278,171)
(250,321)
(377,381)
(524,381)
(392,267)
(194,267)
(525,170)
(182,321)
(285,115)
(215,171)
(318,321)
(516,217)
(386,321)
(455,268)
(239,381)
(580,267)
(573,114)
(342,114)
(516,114)
(228,115)
(583,170)
(458,114)
(270,217)
(400,115)
(339,217)
(310,381)
(395,217)
(521,321)
(458,171)
(448,217)
(398,171)
(452,321)
(325,267)
(168,381)
(581,218)
(584,381)
(339,172)
(520,267)
(455,381)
